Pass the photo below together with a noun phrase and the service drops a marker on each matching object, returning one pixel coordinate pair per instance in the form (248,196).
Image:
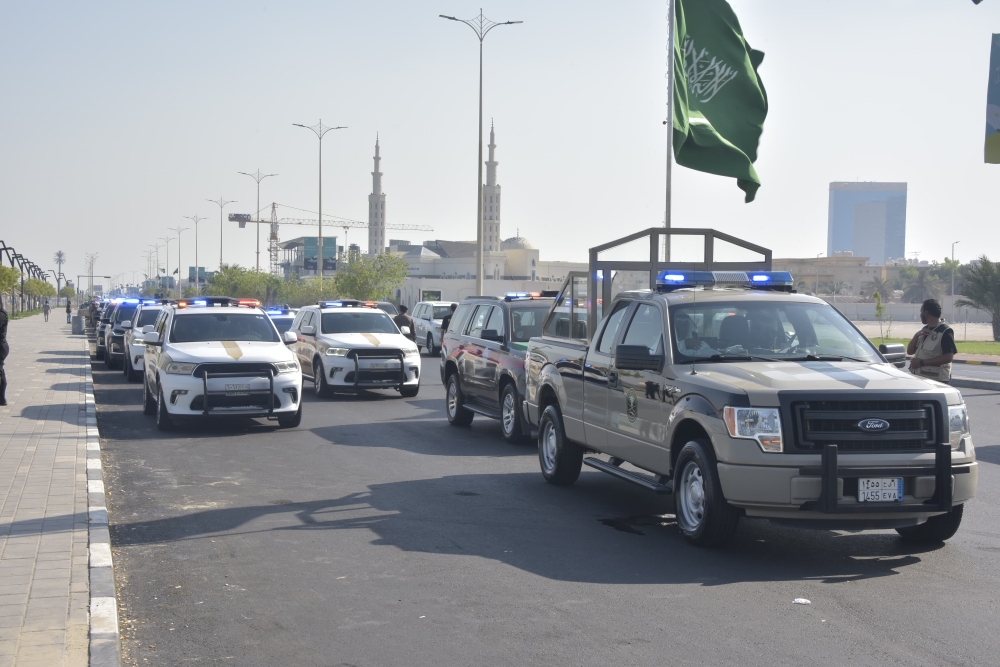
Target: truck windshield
(124,313)
(146,316)
(374,321)
(526,322)
(206,327)
(441,312)
(772,329)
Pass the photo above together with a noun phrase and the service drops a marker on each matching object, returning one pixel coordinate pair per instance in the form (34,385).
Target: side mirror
(127,324)
(147,328)
(289,337)
(637,358)
(404,330)
(894,353)
(308,330)
(492,335)
(151,338)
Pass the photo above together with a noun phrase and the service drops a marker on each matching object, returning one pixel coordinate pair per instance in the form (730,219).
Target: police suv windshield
(722,330)
(202,327)
(124,312)
(374,321)
(146,316)
(526,322)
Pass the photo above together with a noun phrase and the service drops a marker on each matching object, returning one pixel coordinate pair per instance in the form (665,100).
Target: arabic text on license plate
(237,389)
(880,489)
(378,365)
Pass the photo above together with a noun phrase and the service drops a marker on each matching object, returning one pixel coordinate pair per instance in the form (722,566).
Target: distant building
(491,201)
(376,209)
(868,219)
(299,256)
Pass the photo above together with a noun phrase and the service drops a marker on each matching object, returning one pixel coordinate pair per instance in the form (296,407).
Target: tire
(293,421)
(99,354)
(454,403)
(429,345)
(163,420)
(703,515)
(560,458)
(148,400)
(936,529)
(130,373)
(409,392)
(510,414)
(320,386)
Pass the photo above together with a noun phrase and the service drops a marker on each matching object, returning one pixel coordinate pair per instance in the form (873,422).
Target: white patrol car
(282,316)
(349,345)
(218,356)
(135,349)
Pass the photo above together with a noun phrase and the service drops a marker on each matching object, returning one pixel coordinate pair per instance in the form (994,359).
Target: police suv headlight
(958,424)
(760,424)
(337,351)
(411,352)
(175,368)
(287,366)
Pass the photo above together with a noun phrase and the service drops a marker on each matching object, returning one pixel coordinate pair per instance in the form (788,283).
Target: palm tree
(921,287)
(981,290)
(59,258)
(880,285)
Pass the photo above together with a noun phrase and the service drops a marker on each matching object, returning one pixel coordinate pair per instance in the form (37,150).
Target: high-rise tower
(491,202)
(376,210)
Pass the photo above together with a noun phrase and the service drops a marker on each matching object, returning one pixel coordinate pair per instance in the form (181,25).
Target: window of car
(496,321)
(440,312)
(646,329)
(462,313)
(611,328)
(161,323)
(307,319)
(282,324)
(204,327)
(297,322)
(371,321)
(147,316)
(418,311)
(526,322)
(124,312)
(478,321)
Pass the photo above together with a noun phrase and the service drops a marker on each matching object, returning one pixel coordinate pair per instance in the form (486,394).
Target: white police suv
(218,356)
(141,322)
(348,345)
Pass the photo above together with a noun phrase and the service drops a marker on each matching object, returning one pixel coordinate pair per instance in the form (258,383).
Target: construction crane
(344,223)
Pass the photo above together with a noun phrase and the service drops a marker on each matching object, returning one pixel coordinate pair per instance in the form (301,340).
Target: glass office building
(869,219)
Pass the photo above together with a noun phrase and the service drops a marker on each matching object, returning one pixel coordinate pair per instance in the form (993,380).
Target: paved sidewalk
(44,532)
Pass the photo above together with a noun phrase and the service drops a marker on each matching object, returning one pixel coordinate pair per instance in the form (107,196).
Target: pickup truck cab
(743,399)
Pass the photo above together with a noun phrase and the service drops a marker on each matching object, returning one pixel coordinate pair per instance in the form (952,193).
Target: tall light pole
(953,279)
(257,176)
(180,284)
(197,271)
(166,260)
(320,129)
(481,26)
(156,269)
(222,204)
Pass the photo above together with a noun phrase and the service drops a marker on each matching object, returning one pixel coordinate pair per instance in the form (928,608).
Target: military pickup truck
(740,398)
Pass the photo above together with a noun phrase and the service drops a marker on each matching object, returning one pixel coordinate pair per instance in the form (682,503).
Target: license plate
(237,389)
(378,365)
(880,490)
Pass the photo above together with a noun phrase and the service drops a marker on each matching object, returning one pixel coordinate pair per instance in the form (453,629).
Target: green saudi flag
(719,99)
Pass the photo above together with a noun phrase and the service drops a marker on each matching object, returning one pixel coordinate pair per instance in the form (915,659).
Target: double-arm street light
(197,271)
(222,204)
(481,26)
(257,176)
(166,260)
(320,129)
(180,284)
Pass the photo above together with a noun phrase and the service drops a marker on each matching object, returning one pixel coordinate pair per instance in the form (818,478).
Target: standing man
(404,320)
(933,347)
(69,311)
(446,320)
(4,351)
(46,308)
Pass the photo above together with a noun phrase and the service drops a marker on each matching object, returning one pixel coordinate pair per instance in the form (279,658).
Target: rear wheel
(458,414)
(320,385)
(163,420)
(510,414)
(560,458)
(936,529)
(148,400)
(703,515)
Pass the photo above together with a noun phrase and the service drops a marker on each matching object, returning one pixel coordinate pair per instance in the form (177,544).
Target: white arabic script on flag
(705,74)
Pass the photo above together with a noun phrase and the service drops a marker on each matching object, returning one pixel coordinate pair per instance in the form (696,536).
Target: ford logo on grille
(873,425)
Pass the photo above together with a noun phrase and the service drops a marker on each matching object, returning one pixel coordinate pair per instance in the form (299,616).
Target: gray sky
(120,118)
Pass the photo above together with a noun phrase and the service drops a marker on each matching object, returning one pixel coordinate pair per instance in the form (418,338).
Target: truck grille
(912,425)
(387,376)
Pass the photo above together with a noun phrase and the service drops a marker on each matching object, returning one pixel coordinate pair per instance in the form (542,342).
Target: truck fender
(690,415)
(541,391)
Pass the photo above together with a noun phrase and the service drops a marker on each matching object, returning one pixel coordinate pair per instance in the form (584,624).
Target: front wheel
(409,391)
(458,414)
(703,515)
(561,459)
(320,385)
(292,421)
(163,420)
(148,400)
(510,415)
(936,529)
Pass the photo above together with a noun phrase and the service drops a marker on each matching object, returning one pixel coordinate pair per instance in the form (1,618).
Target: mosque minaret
(376,210)
(491,201)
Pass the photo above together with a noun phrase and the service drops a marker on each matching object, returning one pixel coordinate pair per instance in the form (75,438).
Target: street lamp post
(481,26)
(222,204)
(180,283)
(320,129)
(197,271)
(166,260)
(257,176)
(953,279)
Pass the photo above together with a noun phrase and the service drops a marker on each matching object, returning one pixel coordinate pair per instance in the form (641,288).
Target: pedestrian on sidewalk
(69,311)
(4,351)
(404,320)
(933,347)
(45,310)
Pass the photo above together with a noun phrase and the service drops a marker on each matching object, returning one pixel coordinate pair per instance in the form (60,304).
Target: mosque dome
(516,243)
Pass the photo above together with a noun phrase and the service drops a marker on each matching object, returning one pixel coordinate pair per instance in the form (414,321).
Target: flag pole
(670,124)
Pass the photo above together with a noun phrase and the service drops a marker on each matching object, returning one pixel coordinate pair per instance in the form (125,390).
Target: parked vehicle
(115,349)
(427,316)
(742,399)
(482,360)
(282,317)
(142,322)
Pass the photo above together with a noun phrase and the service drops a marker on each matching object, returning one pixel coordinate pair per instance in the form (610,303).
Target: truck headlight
(760,424)
(958,424)
(337,351)
(175,368)
(411,352)
(287,366)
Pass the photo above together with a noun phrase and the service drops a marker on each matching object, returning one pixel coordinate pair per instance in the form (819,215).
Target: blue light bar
(277,311)
(200,302)
(672,279)
(148,302)
(516,295)
(331,304)
(131,301)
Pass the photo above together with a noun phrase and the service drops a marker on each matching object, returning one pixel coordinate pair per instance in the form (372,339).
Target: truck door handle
(612,378)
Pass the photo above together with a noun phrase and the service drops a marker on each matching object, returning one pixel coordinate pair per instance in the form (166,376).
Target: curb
(973,362)
(104,640)
(966,383)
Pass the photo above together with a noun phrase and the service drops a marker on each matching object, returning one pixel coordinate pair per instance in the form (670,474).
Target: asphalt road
(976,372)
(377,535)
